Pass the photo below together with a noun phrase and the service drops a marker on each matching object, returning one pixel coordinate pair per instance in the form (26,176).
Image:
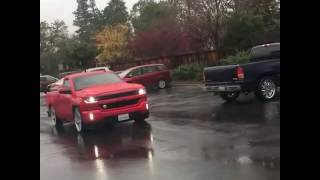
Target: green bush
(188,72)
(239,58)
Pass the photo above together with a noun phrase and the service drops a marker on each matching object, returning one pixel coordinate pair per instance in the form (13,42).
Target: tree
(51,35)
(112,43)
(166,39)
(115,13)
(147,13)
(44,36)
(252,22)
(235,24)
(82,19)
(96,17)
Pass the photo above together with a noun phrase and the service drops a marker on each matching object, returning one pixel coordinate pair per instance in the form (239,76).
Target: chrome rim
(77,121)
(231,95)
(53,117)
(268,88)
(162,84)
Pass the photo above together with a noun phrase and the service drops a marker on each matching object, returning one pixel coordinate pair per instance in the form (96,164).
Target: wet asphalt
(189,135)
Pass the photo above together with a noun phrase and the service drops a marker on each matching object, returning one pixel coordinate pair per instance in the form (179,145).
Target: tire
(140,120)
(267,89)
(162,84)
(78,121)
(56,122)
(229,97)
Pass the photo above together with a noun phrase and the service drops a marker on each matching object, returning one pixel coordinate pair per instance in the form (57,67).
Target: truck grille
(111,96)
(120,104)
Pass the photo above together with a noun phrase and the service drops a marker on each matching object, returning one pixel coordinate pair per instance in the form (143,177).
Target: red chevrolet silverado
(91,97)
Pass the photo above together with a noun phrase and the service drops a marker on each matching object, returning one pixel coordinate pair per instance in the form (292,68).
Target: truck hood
(108,88)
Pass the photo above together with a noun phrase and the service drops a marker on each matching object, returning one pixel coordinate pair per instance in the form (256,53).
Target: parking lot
(189,135)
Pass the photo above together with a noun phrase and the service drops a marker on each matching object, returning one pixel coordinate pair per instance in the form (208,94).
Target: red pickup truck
(90,97)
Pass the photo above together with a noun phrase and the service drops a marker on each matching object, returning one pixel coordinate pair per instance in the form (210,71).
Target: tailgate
(220,74)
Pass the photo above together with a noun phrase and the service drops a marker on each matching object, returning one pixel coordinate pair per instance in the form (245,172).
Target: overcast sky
(62,9)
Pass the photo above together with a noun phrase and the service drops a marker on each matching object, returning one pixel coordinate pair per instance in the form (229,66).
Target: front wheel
(78,121)
(55,121)
(230,96)
(267,89)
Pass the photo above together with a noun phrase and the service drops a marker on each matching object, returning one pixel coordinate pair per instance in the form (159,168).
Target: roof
(145,65)
(97,68)
(265,45)
(75,75)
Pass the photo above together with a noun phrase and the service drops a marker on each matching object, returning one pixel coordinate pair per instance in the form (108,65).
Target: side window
(51,78)
(55,86)
(161,67)
(42,79)
(149,69)
(135,72)
(66,83)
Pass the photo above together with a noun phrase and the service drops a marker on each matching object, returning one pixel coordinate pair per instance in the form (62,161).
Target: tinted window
(51,78)
(149,69)
(66,83)
(135,72)
(162,67)
(96,79)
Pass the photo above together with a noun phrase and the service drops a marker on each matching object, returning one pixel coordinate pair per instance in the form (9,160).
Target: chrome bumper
(223,88)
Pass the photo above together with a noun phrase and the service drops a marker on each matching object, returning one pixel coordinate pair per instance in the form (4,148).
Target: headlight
(90,100)
(142,91)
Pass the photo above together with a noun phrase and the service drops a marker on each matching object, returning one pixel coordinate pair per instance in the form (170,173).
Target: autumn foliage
(112,44)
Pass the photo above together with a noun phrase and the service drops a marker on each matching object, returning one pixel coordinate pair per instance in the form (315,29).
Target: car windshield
(96,79)
(124,73)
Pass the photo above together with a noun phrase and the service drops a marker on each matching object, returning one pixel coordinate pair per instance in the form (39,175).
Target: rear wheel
(230,96)
(78,121)
(162,84)
(55,121)
(267,89)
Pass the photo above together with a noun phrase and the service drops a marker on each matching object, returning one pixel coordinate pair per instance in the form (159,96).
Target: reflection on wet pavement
(131,141)
(190,135)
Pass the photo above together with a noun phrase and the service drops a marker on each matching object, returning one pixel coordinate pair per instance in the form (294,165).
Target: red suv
(92,97)
(148,75)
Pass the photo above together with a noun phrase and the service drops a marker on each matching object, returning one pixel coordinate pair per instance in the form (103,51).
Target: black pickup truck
(261,75)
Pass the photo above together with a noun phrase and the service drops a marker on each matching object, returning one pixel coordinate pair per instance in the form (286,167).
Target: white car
(97,69)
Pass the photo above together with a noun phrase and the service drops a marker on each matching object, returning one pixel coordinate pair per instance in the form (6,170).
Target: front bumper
(138,111)
(223,88)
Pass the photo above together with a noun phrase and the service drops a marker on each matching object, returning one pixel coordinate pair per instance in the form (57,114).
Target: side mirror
(65,90)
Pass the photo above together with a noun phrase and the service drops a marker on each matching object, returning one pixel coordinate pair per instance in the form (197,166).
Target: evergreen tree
(82,18)
(115,13)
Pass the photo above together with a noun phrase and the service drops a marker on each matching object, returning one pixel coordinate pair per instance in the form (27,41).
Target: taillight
(240,73)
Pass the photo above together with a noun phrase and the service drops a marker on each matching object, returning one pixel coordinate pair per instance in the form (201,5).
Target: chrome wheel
(162,84)
(53,117)
(268,88)
(77,120)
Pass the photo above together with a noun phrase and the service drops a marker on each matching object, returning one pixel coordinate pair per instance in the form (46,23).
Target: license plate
(123,117)
(221,88)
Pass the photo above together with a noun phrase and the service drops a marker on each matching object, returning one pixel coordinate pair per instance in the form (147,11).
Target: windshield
(96,79)
(124,73)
